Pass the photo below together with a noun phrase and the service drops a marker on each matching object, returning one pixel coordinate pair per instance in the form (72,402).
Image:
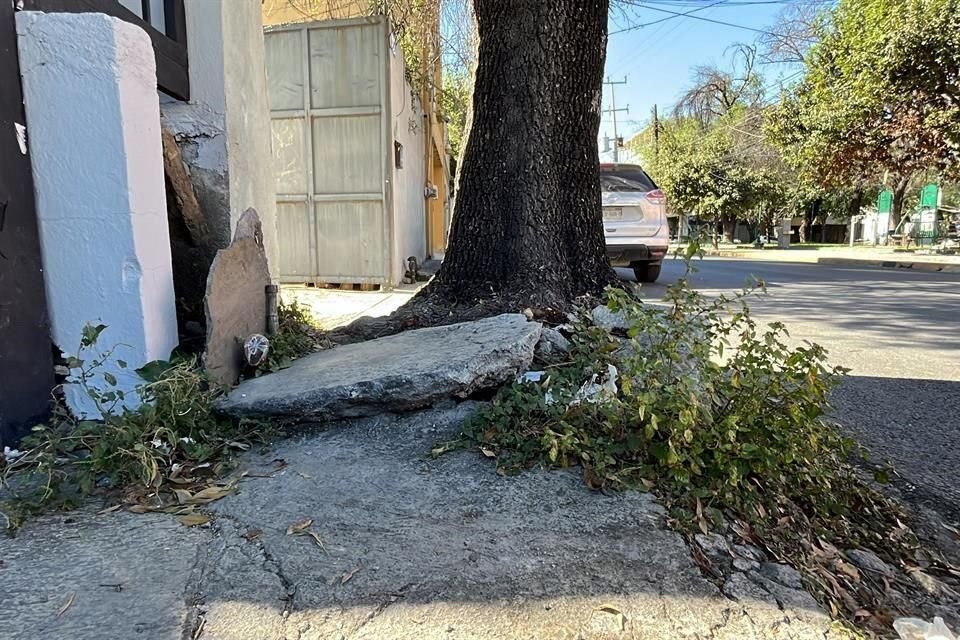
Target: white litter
(593,391)
(916,629)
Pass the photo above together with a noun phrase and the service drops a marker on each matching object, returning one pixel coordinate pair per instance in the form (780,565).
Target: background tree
(881,96)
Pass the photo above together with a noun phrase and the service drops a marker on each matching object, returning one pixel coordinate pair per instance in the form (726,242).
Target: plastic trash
(531,376)
(916,629)
(593,391)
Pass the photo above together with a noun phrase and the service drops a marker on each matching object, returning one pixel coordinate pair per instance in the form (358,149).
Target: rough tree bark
(729,222)
(899,192)
(527,228)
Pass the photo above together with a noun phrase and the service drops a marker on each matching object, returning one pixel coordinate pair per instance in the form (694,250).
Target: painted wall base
(93,126)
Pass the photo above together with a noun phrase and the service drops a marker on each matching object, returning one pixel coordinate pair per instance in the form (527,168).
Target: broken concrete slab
(413,548)
(236,299)
(435,548)
(86,576)
(401,372)
(553,347)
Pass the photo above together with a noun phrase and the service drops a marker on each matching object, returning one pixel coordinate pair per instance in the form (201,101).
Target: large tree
(527,227)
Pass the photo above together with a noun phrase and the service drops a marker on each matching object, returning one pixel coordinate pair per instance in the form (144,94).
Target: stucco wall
(289,11)
(409,205)
(93,127)
(224,131)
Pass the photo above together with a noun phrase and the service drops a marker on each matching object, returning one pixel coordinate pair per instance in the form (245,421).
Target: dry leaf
(109,509)
(849,570)
(253,534)
(183,496)
(66,604)
(305,476)
(346,577)
(194,520)
(212,493)
(316,538)
(299,527)
(701,521)
(488,452)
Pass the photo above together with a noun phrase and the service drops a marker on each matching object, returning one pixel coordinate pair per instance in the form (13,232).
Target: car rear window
(625,178)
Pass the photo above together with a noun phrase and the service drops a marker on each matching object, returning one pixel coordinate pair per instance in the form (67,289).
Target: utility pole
(613,110)
(656,133)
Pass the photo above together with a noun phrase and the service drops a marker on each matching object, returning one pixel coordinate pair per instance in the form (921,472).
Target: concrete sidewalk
(333,308)
(406,547)
(886,257)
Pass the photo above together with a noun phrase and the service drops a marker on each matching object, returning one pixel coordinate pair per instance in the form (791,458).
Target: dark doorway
(26,362)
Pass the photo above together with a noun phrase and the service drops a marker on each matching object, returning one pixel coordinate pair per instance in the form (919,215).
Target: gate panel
(329,149)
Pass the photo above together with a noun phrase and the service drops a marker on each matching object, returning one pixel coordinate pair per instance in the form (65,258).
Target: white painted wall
(93,126)
(228,116)
(409,205)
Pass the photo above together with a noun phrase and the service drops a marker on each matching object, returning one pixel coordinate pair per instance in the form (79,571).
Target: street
(896,330)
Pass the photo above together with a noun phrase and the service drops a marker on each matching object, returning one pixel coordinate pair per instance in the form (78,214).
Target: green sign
(885,202)
(929,196)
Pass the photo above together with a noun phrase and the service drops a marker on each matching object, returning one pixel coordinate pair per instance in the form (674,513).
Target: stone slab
(401,372)
(236,300)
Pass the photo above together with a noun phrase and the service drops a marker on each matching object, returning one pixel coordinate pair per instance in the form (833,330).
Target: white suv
(634,220)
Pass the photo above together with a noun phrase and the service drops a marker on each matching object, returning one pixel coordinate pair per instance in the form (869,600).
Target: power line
(678,14)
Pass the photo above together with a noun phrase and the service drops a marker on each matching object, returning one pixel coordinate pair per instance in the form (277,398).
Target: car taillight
(656,196)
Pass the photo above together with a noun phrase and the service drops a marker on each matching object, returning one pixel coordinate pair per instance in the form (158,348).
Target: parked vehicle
(634,220)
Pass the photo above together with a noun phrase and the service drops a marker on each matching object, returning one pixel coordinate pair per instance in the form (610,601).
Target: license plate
(612,213)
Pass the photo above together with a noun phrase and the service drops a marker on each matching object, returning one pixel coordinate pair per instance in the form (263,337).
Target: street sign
(885,202)
(929,196)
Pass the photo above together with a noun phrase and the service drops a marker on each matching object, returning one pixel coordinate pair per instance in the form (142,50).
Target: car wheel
(646,272)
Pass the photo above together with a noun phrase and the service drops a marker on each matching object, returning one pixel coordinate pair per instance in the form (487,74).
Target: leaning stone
(553,347)
(869,561)
(714,545)
(782,573)
(236,299)
(402,372)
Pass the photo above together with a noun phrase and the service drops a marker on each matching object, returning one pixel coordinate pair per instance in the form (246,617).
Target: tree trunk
(855,203)
(729,228)
(899,192)
(527,228)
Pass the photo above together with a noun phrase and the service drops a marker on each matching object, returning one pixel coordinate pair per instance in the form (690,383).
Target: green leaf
(111,380)
(122,364)
(153,371)
(90,334)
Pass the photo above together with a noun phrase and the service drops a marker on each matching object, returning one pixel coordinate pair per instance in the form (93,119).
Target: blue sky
(657,60)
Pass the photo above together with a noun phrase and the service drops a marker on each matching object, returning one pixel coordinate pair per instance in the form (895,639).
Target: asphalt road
(899,333)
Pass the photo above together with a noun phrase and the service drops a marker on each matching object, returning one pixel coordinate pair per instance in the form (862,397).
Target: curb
(915,265)
(941,267)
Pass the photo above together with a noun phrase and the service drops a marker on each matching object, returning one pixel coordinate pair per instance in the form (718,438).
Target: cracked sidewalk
(413,547)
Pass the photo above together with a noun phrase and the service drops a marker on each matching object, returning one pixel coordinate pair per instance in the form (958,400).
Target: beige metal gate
(328,88)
